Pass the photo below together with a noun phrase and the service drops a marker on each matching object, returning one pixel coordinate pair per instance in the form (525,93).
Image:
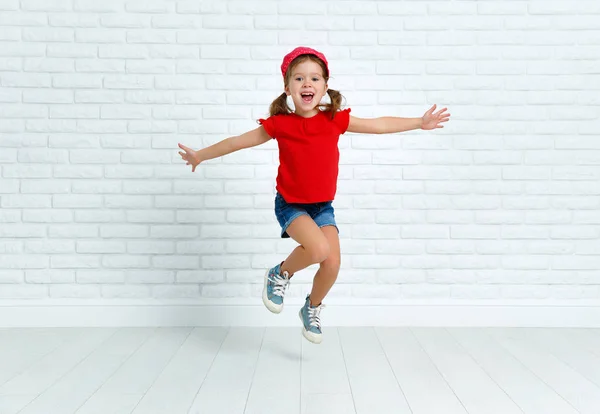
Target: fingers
(186,156)
(186,149)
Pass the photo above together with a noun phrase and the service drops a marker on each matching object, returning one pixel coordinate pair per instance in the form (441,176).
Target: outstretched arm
(249,139)
(390,124)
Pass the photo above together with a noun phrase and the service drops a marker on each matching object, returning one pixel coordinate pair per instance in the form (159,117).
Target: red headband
(287,59)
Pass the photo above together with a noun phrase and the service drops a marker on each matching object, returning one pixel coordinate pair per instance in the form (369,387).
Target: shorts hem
(330,224)
(284,234)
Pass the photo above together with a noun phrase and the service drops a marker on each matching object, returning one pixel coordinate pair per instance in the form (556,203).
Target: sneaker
(274,290)
(311,321)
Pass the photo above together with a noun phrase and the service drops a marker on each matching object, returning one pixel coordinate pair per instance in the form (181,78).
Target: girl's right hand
(190,156)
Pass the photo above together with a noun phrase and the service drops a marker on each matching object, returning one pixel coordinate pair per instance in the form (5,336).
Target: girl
(307,176)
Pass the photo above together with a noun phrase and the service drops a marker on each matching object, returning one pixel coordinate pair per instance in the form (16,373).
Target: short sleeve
(342,119)
(269,126)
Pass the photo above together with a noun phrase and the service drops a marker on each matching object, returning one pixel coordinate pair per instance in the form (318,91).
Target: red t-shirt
(308,154)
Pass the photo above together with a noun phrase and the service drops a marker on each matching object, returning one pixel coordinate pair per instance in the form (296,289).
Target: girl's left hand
(433,120)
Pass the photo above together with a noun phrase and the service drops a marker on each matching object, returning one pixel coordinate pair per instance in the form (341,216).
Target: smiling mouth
(307,97)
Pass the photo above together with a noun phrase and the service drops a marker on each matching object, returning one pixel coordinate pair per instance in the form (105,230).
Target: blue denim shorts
(322,213)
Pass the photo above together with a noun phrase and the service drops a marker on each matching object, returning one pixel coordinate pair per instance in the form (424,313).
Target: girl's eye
(298,79)
(315,79)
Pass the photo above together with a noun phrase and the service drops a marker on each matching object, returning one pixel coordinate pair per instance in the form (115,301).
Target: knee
(319,252)
(331,265)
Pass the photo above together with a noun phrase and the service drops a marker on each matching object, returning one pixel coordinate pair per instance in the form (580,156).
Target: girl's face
(306,86)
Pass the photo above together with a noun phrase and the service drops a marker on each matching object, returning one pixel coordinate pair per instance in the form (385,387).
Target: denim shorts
(322,213)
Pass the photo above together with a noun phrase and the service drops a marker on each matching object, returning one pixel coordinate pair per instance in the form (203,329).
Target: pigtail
(279,105)
(336,102)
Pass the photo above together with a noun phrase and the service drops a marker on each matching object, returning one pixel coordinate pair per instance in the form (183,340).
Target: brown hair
(280,106)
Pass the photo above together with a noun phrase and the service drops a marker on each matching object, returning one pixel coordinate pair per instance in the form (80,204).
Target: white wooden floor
(276,371)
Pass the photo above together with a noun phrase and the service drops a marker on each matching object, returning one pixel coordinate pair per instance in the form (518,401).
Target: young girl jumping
(307,176)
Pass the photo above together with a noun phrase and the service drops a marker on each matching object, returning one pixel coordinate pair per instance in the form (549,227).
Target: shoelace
(314,316)
(280,283)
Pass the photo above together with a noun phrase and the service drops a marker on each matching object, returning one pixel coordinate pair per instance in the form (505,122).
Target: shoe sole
(274,308)
(311,337)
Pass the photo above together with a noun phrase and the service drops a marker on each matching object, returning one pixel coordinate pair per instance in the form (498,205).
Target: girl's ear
(287,91)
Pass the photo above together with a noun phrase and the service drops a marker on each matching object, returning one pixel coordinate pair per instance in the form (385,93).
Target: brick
(129,201)
(278,22)
(204,7)
(22,19)
(126,262)
(123,52)
(47,216)
(50,247)
(148,277)
(66,19)
(182,291)
(10,33)
(137,6)
(20,261)
(150,247)
(9,5)
(226,290)
(359,8)
(48,35)
(23,292)
(175,262)
(179,231)
(10,217)
(126,291)
(72,51)
(155,66)
(47,276)
(124,231)
(98,7)
(74,291)
(176,22)
(252,8)
(125,21)
(149,36)
(99,96)
(68,171)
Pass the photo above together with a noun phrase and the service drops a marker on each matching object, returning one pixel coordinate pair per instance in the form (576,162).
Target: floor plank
(276,384)
(530,393)
(586,338)
(12,404)
(417,375)
(567,350)
(328,404)
(22,348)
(372,380)
(471,384)
(325,384)
(226,387)
(72,390)
(46,371)
(124,389)
(580,392)
(177,386)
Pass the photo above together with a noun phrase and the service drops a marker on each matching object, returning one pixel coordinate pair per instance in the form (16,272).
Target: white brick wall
(95,95)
